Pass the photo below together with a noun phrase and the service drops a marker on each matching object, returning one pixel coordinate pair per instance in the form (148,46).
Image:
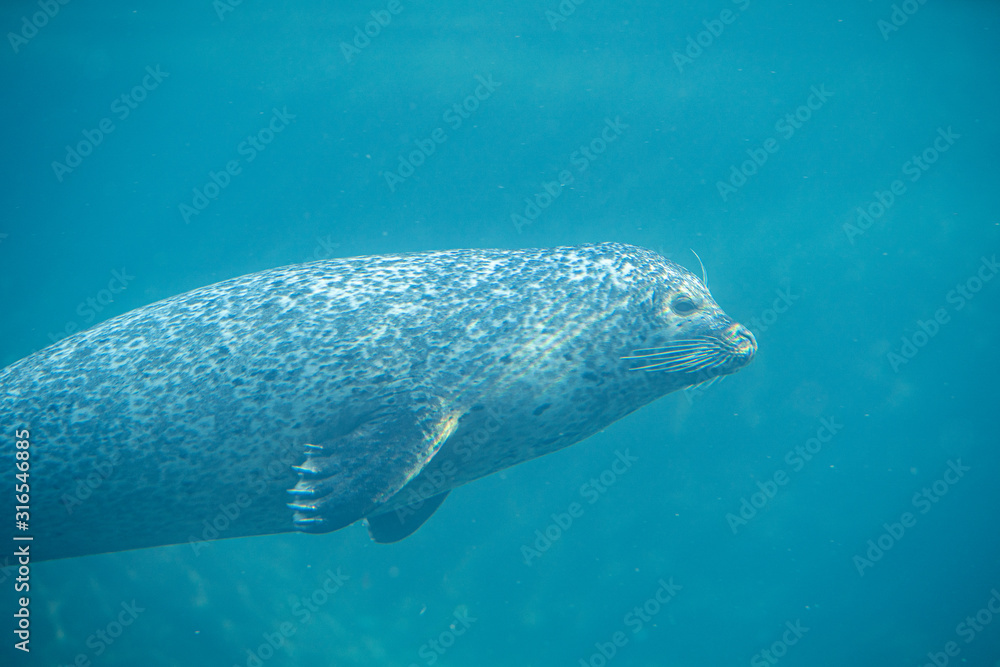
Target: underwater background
(836,168)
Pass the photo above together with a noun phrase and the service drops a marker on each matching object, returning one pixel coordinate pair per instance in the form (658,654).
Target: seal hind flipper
(403,522)
(343,480)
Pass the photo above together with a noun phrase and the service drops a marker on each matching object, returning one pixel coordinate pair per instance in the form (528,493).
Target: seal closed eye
(683,305)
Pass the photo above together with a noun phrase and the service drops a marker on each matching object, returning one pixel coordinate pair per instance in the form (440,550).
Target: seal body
(308,397)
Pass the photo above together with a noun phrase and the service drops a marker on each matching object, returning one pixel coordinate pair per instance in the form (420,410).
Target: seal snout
(742,340)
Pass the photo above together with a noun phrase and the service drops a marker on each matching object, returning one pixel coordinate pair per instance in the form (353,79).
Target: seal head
(691,340)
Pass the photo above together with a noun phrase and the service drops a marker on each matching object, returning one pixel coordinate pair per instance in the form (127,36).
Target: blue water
(635,126)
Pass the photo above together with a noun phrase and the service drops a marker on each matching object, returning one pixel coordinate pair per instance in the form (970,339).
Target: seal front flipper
(404,521)
(350,475)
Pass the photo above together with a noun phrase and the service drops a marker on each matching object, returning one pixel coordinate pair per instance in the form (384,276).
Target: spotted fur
(363,385)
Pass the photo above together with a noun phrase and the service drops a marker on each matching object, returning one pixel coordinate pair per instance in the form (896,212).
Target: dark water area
(834,166)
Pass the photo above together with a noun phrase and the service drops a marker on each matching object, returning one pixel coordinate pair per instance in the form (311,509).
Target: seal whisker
(682,354)
(691,360)
(705,364)
(704,273)
(707,383)
(703,347)
(711,354)
(706,349)
(679,358)
(696,344)
(672,354)
(680,345)
(694,363)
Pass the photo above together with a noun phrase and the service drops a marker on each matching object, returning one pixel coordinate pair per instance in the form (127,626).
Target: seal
(311,396)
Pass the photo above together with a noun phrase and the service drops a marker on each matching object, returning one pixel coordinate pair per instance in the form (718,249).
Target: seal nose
(742,339)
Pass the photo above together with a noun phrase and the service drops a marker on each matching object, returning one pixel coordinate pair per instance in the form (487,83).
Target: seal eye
(683,305)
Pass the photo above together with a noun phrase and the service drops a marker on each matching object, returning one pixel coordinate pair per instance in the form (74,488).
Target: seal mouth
(719,354)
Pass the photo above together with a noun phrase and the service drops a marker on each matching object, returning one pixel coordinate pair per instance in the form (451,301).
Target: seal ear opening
(403,522)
